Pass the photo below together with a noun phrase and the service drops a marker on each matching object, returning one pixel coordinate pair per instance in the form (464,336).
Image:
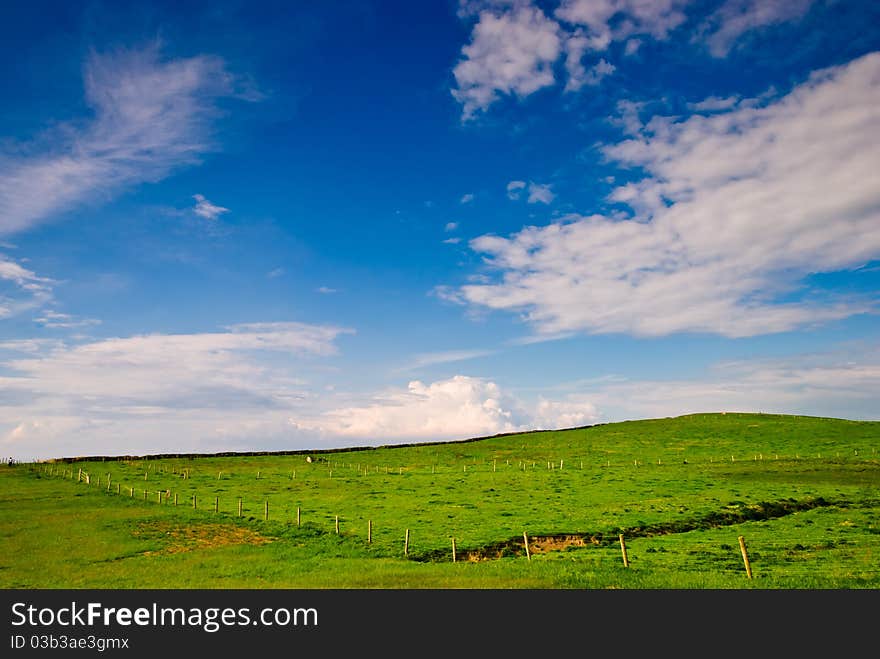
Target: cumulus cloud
(540,193)
(536,192)
(514,189)
(457,408)
(578,75)
(510,53)
(605,21)
(715,244)
(572,412)
(515,46)
(151,116)
(466,198)
(206,209)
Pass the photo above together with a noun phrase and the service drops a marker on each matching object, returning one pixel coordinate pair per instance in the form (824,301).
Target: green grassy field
(801,491)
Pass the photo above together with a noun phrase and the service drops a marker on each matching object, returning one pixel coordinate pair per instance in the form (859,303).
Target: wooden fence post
(406,544)
(266,513)
(369,531)
(623,551)
(745,555)
(453,550)
(526,543)
(239,506)
(297,515)
(216,504)
(337,525)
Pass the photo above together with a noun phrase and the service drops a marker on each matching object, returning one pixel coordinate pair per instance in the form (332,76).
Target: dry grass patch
(177,539)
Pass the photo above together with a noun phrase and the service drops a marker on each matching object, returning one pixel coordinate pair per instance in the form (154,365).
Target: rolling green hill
(802,492)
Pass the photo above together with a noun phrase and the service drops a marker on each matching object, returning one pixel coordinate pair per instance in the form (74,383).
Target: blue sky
(239,226)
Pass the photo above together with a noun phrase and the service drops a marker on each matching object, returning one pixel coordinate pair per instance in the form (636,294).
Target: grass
(802,491)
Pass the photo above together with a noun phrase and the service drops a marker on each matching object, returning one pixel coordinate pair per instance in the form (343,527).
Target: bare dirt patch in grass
(176,539)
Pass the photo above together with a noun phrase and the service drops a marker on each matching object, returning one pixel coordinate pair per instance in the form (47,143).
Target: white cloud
(570,413)
(514,46)
(628,117)
(206,209)
(452,241)
(467,198)
(615,20)
(844,384)
(540,193)
(21,289)
(514,189)
(173,391)
(510,53)
(326,290)
(151,116)
(578,76)
(714,103)
(450,226)
(468,8)
(632,46)
(734,18)
(458,408)
(275,273)
(55,319)
(444,357)
(716,243)
(537,192)
(159,366)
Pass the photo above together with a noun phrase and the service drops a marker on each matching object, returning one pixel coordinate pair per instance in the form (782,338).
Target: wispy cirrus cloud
(726,25)
(717,245)
(151,115)
(56,319)
(445,357)
(21,289)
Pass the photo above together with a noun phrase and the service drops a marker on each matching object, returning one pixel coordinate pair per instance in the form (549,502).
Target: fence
(779,558)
